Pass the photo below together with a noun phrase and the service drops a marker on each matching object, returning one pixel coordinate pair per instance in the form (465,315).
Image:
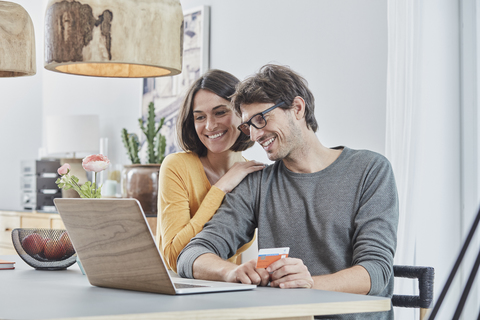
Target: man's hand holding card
(272,266)
(284,272)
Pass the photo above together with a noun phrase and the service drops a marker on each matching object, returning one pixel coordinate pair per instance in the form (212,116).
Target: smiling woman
(215,123)
(193,183)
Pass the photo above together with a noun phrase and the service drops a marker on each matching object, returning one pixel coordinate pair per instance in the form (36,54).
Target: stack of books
(5,265)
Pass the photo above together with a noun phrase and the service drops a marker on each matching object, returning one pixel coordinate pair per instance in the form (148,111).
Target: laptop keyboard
(185,285)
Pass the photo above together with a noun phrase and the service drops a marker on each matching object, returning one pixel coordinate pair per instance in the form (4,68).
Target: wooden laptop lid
(114,242)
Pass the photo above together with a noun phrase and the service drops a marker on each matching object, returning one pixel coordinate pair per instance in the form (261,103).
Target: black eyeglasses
(258,120)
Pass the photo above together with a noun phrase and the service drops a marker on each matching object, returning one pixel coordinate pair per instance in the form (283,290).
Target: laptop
(116,246)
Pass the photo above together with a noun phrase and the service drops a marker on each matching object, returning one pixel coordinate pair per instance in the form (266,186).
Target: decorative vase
(140,181)
(77,170)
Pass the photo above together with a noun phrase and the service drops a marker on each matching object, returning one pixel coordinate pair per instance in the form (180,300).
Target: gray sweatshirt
(344,215)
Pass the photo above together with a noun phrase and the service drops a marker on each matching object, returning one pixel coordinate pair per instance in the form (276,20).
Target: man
(337,209)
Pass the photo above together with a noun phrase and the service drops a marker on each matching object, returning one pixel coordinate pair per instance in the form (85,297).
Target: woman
(193,183)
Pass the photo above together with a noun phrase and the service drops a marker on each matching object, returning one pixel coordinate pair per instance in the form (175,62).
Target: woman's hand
(237,173)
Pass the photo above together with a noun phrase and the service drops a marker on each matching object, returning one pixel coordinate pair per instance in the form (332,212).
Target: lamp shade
(114,38)
(72,133)
(17,41)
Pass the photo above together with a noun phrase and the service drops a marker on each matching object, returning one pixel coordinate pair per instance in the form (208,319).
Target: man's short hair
(223,85)
(275,83)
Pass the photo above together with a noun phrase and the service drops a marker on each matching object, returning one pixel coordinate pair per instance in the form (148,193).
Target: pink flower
(63,169)
(95,163)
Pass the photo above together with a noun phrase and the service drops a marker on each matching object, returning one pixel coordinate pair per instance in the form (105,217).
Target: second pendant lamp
(114,38)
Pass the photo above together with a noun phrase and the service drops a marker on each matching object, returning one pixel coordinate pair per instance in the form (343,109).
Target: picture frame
(168,93)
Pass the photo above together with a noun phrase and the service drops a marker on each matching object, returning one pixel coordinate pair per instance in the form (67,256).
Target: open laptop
(117,249)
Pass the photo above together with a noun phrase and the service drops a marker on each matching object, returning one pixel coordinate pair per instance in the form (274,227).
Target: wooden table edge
(301,311)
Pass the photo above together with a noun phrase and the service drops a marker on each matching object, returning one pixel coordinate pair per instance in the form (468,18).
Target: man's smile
(267,142)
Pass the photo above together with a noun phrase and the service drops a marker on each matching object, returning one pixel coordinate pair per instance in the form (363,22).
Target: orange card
(268,256)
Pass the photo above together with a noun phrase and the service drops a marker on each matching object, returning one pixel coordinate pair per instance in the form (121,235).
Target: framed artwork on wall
(167,93)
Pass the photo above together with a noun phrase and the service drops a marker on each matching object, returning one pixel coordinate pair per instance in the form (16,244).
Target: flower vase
(77,170)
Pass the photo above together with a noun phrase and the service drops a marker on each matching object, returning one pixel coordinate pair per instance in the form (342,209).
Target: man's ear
(298,107)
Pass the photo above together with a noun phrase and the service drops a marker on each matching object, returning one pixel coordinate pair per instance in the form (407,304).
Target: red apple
(33,244)
(54,250)
(67,244)
(44,242)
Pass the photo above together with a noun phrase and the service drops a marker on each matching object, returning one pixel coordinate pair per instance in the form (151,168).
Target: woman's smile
(217,135)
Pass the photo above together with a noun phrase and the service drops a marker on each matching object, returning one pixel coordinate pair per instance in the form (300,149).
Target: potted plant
(140,181)
(94,163)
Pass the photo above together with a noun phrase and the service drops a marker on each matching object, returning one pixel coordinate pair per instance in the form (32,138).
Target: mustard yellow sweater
(186,201)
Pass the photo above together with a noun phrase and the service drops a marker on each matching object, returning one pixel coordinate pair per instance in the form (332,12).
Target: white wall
(116,101)
(20,117)
(470,41)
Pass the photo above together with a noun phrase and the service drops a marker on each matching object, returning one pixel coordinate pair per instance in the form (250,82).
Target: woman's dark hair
(272,84)
(223,85)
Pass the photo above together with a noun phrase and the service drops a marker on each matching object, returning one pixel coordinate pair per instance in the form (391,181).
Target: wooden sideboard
(10,220)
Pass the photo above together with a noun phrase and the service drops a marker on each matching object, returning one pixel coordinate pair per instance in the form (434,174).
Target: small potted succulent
(140,181)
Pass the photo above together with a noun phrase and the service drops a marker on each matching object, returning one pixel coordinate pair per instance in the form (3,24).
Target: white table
(27,293)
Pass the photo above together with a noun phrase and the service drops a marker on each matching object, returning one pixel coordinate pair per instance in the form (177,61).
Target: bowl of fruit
(44,249)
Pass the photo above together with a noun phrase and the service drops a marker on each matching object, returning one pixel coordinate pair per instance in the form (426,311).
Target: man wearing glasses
(336,208)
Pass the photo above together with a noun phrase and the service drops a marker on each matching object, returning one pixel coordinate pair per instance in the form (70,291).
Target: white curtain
(424,140)
(402,102)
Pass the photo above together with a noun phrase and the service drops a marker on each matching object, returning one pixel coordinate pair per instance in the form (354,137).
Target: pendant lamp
(114,38)
(17,41)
